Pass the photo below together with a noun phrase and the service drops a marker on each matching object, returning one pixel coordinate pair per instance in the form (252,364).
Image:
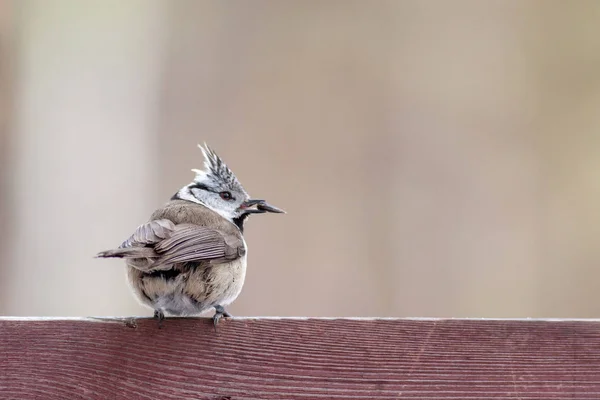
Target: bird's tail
(129,252)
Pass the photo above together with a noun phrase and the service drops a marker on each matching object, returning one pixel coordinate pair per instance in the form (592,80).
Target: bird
(191,256)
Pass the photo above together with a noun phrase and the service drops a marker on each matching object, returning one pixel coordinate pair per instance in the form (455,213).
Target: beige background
(436,158)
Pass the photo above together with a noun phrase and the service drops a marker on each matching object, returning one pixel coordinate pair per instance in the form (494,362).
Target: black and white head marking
(215,187)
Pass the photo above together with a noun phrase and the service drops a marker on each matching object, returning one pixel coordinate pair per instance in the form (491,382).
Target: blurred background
(436,158)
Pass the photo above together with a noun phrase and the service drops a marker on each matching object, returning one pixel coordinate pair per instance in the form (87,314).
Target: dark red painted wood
(300,359)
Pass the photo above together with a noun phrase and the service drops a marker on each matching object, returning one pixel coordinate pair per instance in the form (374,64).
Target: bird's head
(217,188)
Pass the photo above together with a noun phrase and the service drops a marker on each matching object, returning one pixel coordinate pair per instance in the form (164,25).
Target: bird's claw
(219,313)
(160,316)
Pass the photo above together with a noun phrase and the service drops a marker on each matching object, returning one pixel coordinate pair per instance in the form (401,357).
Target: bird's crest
(215,170)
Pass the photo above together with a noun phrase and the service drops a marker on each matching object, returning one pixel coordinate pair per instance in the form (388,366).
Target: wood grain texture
(299,359)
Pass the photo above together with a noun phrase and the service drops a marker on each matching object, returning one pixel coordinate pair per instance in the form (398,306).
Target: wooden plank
(299,359)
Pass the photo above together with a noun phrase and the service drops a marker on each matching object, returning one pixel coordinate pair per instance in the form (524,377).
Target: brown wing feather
(199,243)
(150,233)
(137,249)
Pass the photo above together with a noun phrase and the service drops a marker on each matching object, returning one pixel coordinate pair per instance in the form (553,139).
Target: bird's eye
(226,196)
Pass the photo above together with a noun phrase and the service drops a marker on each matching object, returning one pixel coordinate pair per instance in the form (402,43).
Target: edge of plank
(243,318)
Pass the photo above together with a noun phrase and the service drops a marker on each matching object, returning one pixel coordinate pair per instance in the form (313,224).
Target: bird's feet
(219,313)
(159,315)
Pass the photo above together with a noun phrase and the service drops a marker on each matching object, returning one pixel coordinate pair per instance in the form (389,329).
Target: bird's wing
(160,243)
(149,233)
(189,243)
(138,248)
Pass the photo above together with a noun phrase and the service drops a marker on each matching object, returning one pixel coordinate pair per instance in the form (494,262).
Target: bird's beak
(261,207)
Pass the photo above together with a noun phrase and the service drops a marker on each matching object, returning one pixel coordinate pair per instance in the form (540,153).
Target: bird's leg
(159,315)
(219,313)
